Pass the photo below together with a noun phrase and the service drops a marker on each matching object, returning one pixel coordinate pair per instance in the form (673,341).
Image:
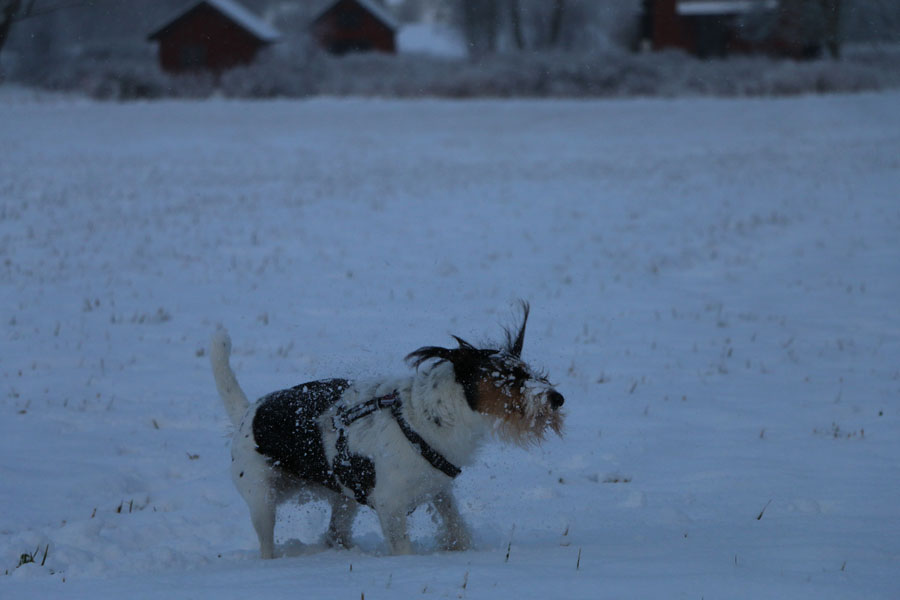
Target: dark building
(211,35)
(794,28)
(355,26)
(702,27)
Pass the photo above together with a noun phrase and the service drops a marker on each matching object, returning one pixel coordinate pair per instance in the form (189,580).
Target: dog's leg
(262,515)
(252,479)
(393,526)
(343,511)
(454,533)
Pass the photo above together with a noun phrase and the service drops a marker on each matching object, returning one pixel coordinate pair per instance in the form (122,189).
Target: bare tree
(8,12)
(832,12)
(566,24)
(515,21)
(12,11)
(495,25)
(556,21)
(544,22)
(870,20)
(480,20)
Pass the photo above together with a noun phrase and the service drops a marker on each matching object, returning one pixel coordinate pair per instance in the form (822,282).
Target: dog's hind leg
(262,514)
(253,479)
(454,533)
(343,511)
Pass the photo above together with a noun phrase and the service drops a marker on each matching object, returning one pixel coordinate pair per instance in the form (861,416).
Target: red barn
(355,26)
(211,35)
(702,27)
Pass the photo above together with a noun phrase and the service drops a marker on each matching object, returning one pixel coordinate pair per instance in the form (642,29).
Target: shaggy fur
(294,441)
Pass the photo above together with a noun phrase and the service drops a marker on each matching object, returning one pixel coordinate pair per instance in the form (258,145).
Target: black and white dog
(391,444)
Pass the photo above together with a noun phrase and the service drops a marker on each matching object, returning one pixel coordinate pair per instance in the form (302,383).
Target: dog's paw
(455,542)
(337,541)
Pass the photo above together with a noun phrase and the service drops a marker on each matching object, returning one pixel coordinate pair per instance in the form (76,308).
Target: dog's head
(499,384)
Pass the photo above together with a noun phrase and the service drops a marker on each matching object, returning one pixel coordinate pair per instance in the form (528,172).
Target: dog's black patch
(355,471)
(286,431)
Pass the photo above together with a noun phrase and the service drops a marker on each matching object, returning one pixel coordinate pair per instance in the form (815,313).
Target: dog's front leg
(454,533)
(343,510)
(393,526)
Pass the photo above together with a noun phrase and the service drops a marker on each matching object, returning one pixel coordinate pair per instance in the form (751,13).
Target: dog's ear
(465,358)
(468,360)
(426,353)
(467,353)
(514,344)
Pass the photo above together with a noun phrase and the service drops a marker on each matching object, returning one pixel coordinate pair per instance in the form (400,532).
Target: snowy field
(715,288)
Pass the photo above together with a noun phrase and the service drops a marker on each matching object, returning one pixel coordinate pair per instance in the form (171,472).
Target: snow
(713,287)
(236,12)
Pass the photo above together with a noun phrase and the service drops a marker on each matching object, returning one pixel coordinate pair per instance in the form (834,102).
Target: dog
(391,444)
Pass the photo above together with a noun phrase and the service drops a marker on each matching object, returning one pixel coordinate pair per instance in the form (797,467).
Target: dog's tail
(232,395)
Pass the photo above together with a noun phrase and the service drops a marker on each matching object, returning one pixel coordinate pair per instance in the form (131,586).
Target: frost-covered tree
(541,23)
(13,12)
(870,20)
(497,25)
(10,10)
(479,21)
(44,33)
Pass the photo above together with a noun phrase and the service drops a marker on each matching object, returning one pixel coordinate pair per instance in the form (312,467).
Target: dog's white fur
(404,479)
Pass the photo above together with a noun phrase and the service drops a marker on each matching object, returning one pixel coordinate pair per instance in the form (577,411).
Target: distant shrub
(610,73)
(270,79)
(117,79)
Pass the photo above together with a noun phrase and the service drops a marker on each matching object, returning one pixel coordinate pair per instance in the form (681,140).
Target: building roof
(722,7)
(378,11)
(231,9)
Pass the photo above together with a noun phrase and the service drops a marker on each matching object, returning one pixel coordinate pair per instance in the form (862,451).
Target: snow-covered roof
(723,7)
(377,10)
(234,11)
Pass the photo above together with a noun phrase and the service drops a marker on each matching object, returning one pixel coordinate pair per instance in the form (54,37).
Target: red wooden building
(705,27)
(211,35)
(355,26)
